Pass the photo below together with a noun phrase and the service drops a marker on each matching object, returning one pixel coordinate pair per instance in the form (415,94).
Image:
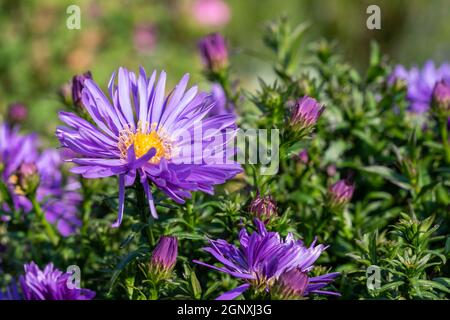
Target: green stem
(47,226)
(444,135)
(147,232)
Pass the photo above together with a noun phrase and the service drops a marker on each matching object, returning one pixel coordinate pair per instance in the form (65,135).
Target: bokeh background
(38,53)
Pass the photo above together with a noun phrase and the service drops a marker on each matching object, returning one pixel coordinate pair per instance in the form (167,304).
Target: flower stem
(444,135)
(146,232)
(51,234)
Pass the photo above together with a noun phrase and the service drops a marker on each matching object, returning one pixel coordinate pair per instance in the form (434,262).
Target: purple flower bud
(165,254)
(78,85)
(441,98)
(340,193)
(331,170)
(17,113)
(303,156)
(264,208)
(305,114)
(214,52)
(28,178)
(292,284)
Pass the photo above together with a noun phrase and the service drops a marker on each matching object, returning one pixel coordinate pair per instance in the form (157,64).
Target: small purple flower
(10,293)
(420,83)
(340,193)
(261,259)
(165,254)
(78,85)
(50,284)
(305,114)
(214,52)
(17,113)
(263,208)
(137,134)
(331,170)
(211,13)
(28,178)
(441,98)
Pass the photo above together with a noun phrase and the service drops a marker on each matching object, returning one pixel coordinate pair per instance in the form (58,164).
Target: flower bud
(17,113)
(164,255)
(303,156)
(305,114)
(340,193)
(28,178)
(214,52)
(441,99)
(264,208)
(291,285)
(78,85)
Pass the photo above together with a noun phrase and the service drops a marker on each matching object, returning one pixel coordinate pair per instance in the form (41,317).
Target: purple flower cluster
(19,156)
(421,83)
(50,284)
(263,258)
(142,131)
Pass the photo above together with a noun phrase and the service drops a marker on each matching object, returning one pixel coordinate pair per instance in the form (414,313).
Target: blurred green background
(38,53)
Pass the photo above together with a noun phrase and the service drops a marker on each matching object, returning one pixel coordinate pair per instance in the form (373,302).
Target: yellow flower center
(144,138)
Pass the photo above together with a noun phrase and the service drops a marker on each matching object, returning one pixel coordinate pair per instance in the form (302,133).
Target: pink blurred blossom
(211,13)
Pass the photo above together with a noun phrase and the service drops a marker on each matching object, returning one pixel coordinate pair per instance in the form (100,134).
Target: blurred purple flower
(10,293)
(221,105)
(17,113)
(214,52)
(211,13)
(138,133)
(303,156)
(420,83)
(441,97)
(50,284)
(261,258)
(144,38)
(58,199)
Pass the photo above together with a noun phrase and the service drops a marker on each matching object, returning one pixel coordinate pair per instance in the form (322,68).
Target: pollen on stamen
(144,138)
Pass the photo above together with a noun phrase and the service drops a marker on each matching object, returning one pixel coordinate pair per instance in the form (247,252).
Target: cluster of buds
(164,257)
(339,194)
(17,113)
(214,53)
(291,285)
(263,208)
(441,99)
(77,87)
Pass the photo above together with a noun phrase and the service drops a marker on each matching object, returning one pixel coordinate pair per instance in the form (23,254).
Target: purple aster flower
(166,140)
(212,13)
(340,193)
(50,284)
(305,114)
(19,159)
(263,208)
(214,52)
(261,259)
(15,150)
(420,83)
(78,85)
(165,254)
(17,113)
